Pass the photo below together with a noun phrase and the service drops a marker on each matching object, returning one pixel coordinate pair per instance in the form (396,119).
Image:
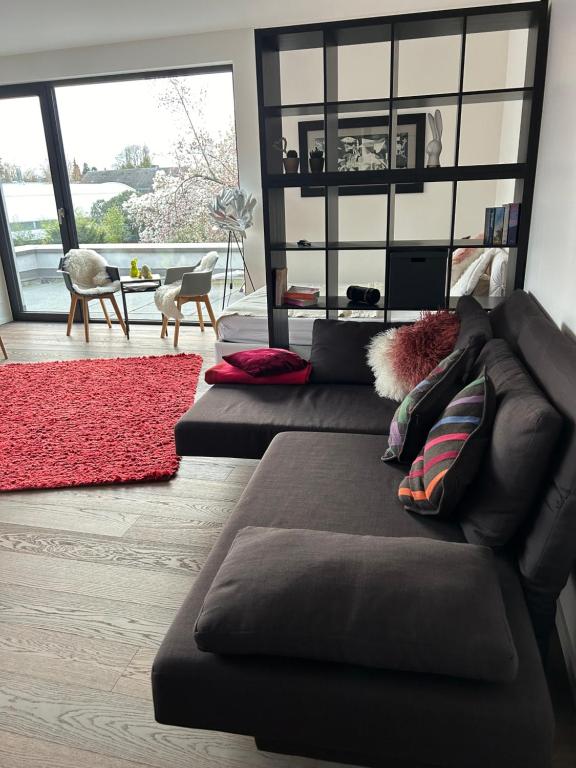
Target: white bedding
(246,321)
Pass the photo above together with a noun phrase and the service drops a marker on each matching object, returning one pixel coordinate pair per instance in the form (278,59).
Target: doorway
(125,165)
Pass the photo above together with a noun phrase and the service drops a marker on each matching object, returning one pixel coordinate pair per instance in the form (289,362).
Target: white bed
(244,324)
(246,321)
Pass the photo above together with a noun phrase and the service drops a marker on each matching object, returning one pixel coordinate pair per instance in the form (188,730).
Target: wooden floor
(90,581)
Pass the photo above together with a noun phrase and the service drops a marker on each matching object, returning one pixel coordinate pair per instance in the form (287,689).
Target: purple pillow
(266,361)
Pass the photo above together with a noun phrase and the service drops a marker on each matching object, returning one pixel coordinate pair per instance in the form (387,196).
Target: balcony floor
(50,295)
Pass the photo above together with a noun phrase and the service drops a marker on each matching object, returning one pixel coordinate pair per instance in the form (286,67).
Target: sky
(98,120)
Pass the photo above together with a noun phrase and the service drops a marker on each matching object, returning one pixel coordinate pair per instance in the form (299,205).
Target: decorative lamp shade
(232,210)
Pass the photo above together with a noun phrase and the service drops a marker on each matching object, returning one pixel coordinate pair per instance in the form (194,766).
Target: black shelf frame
(329,37)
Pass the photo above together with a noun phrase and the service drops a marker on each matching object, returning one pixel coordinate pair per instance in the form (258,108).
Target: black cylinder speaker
(359,294)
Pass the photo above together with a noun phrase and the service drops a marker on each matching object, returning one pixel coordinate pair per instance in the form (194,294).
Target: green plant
(316,153)
(291,153)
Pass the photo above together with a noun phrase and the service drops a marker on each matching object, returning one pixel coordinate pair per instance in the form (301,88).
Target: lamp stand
(233,238)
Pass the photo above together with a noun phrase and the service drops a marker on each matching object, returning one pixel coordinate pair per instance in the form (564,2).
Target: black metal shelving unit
(329,39)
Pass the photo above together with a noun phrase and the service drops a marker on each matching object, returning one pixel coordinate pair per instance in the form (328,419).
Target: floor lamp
(234,237)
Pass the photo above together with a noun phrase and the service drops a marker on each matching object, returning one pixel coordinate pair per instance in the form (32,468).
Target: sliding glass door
(33,236)
(128,166)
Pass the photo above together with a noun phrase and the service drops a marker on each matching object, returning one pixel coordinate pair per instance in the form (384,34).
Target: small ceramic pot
(316,164)
(291,164)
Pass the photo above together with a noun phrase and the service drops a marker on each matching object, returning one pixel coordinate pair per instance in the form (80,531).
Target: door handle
(61,215)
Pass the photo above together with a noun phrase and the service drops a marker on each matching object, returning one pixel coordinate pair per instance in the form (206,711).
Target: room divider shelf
(378,245)
(326,52)
(398,176)
(336,303)
(344,245)
(398,102)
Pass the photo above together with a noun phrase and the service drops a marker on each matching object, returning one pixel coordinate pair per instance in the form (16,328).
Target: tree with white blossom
(177,208)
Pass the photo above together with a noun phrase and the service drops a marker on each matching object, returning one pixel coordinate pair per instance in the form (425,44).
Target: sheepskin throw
(401,357)
(87,270)
(165,297)
(165,300)
(386,381)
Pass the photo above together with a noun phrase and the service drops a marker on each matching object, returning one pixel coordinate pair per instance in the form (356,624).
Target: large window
(142,159)
(30,206)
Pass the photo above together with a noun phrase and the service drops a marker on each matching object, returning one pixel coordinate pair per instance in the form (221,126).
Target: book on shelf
(513,219)
(301,302)
(301,296)
(302,292)
(497,236)
(501,224)
(505,225)
(280,284)
(489,225)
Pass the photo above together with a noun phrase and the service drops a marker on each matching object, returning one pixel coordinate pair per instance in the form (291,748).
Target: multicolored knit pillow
(416,413)
(453,451)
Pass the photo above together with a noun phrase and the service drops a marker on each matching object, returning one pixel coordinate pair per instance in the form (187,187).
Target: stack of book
(501,225)
(301,296)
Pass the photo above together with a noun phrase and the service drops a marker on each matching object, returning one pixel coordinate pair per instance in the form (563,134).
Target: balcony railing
(43,289)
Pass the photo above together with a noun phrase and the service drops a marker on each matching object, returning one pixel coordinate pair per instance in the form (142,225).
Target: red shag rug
(90,422)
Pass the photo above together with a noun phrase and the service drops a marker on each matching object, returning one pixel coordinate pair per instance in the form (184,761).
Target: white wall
(551,269)
(232,47)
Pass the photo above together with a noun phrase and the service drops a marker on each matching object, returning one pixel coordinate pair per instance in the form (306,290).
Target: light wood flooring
(90,580)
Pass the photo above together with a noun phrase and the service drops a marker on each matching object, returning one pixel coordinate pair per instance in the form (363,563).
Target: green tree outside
(101,213)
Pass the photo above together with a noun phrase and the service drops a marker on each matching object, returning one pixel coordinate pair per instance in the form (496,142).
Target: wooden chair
(84,296)
(196,285)
(3,348)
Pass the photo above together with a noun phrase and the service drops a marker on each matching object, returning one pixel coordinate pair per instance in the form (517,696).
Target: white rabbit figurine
(435,146)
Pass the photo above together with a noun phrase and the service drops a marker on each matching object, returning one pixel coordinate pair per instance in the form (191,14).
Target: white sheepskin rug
(165,297)
(87,270)
(165,300)
(386,383)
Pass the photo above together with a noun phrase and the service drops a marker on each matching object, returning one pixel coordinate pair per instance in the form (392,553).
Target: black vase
(316,164)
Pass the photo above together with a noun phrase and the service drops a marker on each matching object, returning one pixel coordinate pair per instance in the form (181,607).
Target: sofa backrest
(547,549)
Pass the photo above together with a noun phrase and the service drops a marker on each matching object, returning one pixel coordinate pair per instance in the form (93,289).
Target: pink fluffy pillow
(418,348)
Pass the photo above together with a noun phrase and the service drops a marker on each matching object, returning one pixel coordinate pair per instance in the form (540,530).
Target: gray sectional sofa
(321,470)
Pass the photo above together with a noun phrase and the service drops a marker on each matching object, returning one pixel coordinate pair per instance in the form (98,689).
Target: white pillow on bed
(498,273)
(469,279)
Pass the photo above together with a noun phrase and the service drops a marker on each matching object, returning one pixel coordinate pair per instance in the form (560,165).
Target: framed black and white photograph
(364,145)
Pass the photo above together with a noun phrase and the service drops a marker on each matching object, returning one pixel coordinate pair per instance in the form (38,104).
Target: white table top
(139,280)
(134,284)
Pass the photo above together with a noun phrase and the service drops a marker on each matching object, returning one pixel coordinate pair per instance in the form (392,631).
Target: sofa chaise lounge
(334,480)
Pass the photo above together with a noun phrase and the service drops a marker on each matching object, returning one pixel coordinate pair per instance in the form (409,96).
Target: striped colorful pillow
(452,453)
(416,413)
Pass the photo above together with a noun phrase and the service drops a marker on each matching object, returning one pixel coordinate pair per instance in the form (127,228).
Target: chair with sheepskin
(184,284)
(88,276)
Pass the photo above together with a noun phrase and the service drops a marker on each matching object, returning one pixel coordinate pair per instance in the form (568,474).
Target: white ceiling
(40,25)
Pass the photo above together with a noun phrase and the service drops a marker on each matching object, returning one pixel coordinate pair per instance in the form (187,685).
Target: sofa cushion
(415,415)
(338,353)
(226,373)
(474,322)
(401,357)
(378,716)
(453,452)
(242,420)
(549,547)
(526,427)
(265,361)
(508,318)
(410,604)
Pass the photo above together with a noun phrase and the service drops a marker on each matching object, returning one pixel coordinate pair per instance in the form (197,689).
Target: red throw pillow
(224,373)
(418,348)
(266,361)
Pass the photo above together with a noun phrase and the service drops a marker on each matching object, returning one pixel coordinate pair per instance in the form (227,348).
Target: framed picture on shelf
(363,145)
